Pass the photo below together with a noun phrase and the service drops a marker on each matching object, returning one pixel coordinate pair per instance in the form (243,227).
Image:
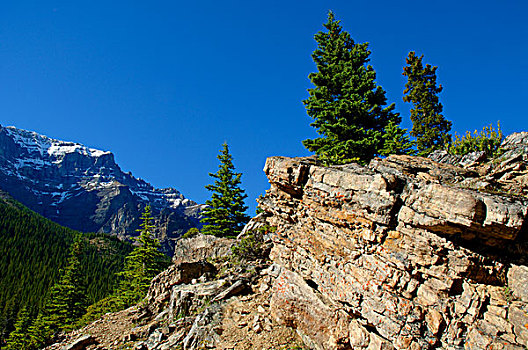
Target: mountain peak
(84,188)
(33,141)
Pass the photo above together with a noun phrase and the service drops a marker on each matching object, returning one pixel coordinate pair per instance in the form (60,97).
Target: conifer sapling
(225,214)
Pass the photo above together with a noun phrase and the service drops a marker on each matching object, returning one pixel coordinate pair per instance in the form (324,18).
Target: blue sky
(163,84)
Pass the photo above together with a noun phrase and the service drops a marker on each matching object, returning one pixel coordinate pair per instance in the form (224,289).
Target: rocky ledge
(207,299)
(406,253)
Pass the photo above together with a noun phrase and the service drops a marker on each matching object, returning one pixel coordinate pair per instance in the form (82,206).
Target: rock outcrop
(84,189)
(207,299)
(201,248)
(405,253)
(399,254)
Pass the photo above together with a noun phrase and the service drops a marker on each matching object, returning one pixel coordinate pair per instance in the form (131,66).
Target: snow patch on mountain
(47,172)
(36,143)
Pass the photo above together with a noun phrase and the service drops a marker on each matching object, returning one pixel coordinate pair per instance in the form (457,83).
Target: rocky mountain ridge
(84,188)
(405,253)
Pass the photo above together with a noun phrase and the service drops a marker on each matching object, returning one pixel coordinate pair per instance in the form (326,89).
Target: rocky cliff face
(406,253)
(84,189)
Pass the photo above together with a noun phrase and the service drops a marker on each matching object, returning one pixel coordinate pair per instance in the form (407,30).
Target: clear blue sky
(163,83)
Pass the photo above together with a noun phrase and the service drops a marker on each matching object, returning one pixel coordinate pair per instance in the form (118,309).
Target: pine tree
(225,213)
(346,103)
(42,330)
(142,264)
(67,301)
(429,125)
(396,141)
(18,339)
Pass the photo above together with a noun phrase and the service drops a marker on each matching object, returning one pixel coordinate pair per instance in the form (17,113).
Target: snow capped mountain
(83,188)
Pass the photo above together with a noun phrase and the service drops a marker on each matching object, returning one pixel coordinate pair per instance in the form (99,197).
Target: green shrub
(248,248)
(251,247)
(193,231)
(488,140)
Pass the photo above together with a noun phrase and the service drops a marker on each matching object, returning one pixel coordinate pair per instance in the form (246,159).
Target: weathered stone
(477,340)
(287,173)
(383,242)
(295,303)
(427,296)
(518,281)
(518,316)
(443,156)
(448,210)
(154,339)
(515,144)
(359,336)
(184,273)
(200,248)
(378,343)
(435,321)
(81,343)
(234,289)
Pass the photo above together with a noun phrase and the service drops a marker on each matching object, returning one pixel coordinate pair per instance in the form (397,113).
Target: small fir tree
(18,339)
(430,127)
(225,214)
(67,301)
(396,141)
(348,107)
(142,264)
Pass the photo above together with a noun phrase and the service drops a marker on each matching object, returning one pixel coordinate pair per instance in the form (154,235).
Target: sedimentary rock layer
(398,254)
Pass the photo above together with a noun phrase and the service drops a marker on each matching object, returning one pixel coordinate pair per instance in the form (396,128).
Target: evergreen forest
(34,251)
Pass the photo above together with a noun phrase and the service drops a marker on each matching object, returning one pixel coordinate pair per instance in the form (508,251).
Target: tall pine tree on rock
(430,127)
(348,107)
(225,215)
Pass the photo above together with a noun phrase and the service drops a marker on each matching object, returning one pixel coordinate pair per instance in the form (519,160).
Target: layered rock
(508,173)
(84,189)
(405,253)
(399,254)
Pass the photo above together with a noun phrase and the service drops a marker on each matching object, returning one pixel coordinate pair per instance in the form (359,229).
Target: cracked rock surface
(399,254)
(405,253)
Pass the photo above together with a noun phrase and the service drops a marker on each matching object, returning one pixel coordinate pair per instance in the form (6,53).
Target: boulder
(200,248)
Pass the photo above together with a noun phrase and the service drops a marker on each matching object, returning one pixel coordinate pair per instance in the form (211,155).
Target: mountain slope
(32,251)
(84,189)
